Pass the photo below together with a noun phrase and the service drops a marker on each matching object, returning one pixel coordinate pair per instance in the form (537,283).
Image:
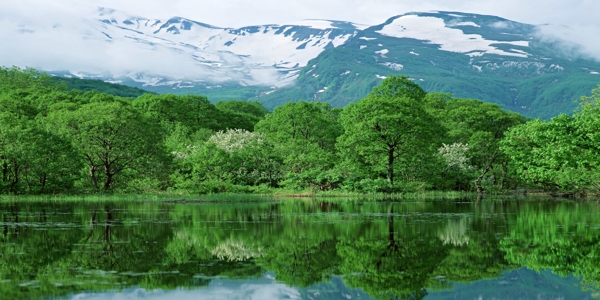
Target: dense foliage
(561,154)
(397,139)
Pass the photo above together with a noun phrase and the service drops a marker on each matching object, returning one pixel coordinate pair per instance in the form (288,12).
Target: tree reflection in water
(388,250)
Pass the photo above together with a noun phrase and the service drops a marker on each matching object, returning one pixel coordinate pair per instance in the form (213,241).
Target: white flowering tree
(236,250)
(236,139)
(235,157)
(455,156)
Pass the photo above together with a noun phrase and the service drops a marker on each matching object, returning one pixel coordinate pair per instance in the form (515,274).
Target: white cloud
(71,45)
(237,13)
(574,40)
(71,39)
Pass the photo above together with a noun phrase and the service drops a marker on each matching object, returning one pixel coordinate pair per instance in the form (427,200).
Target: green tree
(302,123)
(33,160)
(481,125)
(231,161)
(241,114)
(560,154)
(112,138)
(305,134)
(397,87)
(17,78)
(193,111)
(390,130)
(253,108)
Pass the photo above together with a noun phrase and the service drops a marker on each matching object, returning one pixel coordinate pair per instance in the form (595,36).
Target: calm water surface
(301,249)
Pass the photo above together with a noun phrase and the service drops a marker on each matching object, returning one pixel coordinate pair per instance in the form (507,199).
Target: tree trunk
(391,237)
(5,171)
(107,227)
(93,176)
(108,181)
(43,183)
(478,180)
(390,167)
(5,219)
(15,181)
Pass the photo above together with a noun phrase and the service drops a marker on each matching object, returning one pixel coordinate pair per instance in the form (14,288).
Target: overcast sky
(237,13)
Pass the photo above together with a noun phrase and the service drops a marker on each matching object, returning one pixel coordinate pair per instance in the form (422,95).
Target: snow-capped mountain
(469,55)
(182,52)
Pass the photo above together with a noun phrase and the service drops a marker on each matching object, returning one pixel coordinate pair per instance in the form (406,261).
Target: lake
(301,249)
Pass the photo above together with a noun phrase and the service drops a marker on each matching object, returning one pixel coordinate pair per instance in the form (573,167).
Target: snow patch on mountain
(318,24)
(393,66)
(538,68)
(382,52)
(254,55)
(473,24)
(329,24)
(435,31)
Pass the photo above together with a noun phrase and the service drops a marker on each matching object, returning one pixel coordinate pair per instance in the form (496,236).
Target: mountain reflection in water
(302,249)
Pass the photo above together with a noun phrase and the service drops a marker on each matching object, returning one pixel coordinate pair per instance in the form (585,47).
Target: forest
(398,139)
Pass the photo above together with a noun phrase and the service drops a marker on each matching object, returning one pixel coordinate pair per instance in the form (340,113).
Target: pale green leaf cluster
(455,155)
(236,250)
(236,139)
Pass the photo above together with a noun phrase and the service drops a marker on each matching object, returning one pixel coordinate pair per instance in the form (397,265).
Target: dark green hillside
(217,92)
(87,85)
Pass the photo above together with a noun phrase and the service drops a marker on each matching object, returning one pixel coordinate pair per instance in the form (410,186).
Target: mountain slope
(468,55)
(179,53)
(471,56)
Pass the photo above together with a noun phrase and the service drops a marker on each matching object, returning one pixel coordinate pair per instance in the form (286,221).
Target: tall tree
(305,134)
(399,86)
(389,129)
(111,137)
(192,111)
(33,160)
(481,126)
(302,123)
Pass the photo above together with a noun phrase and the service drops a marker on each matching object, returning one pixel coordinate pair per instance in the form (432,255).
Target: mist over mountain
(529,69)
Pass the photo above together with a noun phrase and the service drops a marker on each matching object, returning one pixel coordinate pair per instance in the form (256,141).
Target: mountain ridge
(470,55)
(517,69)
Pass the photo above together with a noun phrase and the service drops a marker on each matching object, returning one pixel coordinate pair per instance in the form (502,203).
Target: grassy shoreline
(276,195)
